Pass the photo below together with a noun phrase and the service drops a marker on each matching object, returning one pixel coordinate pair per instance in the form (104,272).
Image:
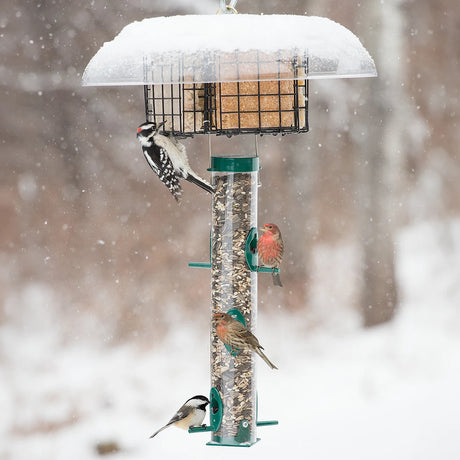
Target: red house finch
(270,249)
(237,336)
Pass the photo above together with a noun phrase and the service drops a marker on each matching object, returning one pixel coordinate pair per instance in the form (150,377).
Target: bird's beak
(160,125)
(263,229)
(215,319)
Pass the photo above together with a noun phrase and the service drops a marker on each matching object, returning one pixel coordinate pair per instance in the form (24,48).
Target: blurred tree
(381,158)
(333,180)
(81,212)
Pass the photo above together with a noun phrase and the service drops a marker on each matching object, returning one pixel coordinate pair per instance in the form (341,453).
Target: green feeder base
(243,438)
(230,442)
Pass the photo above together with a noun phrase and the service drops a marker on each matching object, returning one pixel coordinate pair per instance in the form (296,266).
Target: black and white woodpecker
(168,158)
(189,415)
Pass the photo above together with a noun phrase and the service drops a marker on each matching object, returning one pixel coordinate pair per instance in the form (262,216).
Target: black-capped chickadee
(168,159)
(189,415)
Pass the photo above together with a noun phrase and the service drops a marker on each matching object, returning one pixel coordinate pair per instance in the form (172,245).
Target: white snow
(391,392)
(197,48)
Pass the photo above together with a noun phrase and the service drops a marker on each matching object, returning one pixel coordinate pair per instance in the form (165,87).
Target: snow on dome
(211,48)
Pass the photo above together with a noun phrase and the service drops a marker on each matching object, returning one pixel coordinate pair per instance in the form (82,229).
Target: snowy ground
(392,392)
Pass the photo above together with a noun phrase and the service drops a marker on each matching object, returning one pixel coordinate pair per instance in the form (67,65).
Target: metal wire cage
(267,102)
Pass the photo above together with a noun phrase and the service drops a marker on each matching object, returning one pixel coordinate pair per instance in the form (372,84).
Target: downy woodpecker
(168,158)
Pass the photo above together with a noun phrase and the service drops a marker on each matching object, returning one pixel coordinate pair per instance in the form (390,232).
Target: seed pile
(233,285)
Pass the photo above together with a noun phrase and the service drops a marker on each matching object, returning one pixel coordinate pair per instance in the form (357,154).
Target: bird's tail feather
(156,432)
(277,279)
(262,355)
(200,182)
(171,422)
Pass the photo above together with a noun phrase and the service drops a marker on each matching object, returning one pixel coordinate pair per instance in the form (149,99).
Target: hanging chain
(230,8)
(256,147)
(209,148)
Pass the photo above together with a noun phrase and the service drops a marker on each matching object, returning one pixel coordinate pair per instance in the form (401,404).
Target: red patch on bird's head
(270,228)
(139,129)
(218,317)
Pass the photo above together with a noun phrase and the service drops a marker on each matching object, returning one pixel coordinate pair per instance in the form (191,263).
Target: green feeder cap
(238,164)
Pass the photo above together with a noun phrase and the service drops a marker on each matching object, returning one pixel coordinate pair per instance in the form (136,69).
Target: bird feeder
(258,106)
(230,74)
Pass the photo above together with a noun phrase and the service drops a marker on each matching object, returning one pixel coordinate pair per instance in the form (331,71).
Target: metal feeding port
(278,105)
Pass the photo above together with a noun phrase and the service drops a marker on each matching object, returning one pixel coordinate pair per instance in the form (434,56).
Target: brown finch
(270,249)
(237,336)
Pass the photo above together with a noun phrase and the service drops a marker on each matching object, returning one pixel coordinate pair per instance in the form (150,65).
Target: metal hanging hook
(230,8)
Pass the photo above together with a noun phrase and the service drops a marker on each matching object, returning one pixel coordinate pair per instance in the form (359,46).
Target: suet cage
(256,105)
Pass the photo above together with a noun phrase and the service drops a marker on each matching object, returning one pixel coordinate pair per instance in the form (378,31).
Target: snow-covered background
(103,327)
(391,392)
